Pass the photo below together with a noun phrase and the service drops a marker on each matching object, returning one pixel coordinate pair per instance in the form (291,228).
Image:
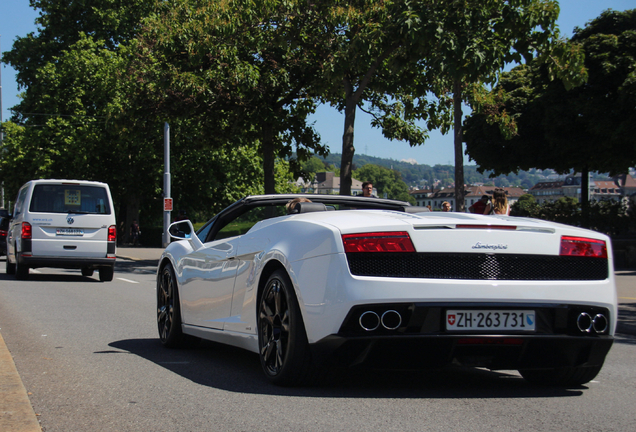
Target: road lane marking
(128,280)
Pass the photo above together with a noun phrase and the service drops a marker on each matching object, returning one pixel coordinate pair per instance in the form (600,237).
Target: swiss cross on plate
(451,319)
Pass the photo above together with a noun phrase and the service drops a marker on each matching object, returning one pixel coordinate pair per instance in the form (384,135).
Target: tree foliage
(240,68)
(614,218)
(474,41)
(561,129)
(589,127)
(387,182)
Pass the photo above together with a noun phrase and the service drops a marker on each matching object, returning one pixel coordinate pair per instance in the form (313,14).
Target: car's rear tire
(561,377)
(88,272)
(10,269)
(21,270)
(282,339)
(105,274)
(169,313)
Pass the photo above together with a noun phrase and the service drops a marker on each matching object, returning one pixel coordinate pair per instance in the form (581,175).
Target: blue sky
(17,19)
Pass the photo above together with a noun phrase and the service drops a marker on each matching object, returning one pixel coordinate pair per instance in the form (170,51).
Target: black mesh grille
(477,266)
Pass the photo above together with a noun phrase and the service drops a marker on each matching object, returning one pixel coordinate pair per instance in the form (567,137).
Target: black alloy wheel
(169,312)
(283,348)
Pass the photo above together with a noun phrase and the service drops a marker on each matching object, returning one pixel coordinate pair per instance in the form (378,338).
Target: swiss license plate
(484,319)
(69,232)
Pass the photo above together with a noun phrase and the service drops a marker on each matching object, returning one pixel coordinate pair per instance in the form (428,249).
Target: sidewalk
(139,253)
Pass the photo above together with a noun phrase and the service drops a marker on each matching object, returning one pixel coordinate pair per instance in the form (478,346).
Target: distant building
(547,191)
(328,183)
(600,190)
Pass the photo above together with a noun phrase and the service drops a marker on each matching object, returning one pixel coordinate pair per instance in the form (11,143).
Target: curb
(16,414)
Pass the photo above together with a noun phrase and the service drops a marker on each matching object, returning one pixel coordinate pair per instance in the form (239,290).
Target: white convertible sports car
(364,282)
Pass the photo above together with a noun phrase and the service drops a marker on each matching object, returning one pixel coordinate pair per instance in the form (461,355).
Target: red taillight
(3,233)
(378,242)
(26,230)
(581,246)
(112,233)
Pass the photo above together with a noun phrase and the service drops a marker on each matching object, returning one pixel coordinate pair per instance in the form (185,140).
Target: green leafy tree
(69,73)
(386,181)
(566,129)
(475,39)
(240,68)
(376,48)
(311,167)
(525,206)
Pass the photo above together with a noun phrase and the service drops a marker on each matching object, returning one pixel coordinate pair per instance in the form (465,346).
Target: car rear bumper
(64,262)
(417,335)
(492,351)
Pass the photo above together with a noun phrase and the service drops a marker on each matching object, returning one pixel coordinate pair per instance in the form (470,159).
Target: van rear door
(70,220)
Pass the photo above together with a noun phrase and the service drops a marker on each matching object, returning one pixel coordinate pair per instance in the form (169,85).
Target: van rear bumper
(64,262)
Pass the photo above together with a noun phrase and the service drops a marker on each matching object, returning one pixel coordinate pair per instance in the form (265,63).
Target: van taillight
(378,242)
(26,230)
(112,233)
(581,246)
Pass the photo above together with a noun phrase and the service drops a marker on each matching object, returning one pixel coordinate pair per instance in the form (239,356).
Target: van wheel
(106,274)
(87,271)
(10,267)
(21,271)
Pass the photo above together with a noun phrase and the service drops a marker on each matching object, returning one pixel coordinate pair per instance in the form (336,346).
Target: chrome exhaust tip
(584,322)
(391,320)
(369,321)
(600,324)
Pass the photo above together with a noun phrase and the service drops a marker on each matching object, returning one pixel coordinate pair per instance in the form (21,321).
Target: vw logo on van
(70,220)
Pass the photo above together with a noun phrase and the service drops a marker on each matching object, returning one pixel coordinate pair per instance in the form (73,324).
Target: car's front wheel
(561,377)
(169,312)
(87,271)
(283,347)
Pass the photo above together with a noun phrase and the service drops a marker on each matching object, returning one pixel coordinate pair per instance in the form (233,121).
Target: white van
(64,224)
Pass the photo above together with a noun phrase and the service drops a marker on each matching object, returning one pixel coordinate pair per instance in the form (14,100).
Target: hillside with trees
(423,176)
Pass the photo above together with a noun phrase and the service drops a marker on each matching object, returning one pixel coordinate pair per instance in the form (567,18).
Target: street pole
(166,184)
(1,128)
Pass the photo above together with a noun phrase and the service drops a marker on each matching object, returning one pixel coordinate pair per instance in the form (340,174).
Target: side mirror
(183,230)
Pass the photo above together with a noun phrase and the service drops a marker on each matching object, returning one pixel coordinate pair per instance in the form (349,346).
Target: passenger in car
(499,204)
(291,205)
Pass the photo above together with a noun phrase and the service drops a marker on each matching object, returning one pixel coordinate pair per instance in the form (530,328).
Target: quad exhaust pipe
(390,320)
(598,323)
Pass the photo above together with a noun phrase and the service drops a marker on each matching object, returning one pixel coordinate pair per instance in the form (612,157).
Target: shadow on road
(236,370)
(627,321)
(50,277)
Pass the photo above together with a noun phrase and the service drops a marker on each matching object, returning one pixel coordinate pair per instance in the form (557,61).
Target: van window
(19,202)
(64,198)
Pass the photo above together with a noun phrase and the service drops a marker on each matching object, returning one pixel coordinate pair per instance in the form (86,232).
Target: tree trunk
(459,152)
(585,199)
(132,214)
(269,180)
(347,139)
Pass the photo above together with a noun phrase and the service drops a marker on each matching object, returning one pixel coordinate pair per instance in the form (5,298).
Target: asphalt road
(89,358)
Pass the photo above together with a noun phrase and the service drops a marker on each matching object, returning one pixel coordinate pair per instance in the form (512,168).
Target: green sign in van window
(72,197)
